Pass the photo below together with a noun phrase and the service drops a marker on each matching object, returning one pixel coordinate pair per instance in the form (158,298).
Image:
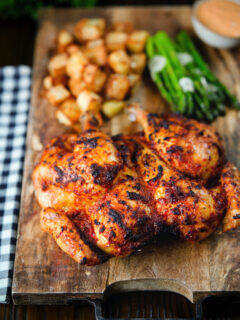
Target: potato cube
(57,64)
(89,29)
(137,40)
(76,86)
(76,64)
(50,81)
(68,112)
(94,77)
(133,79)
(117,86)
(116,40)
(62,118)
(47,82)
(125,26)
(138,62)
(72,48)
(65,38)
(57,94)
(96,52)
(88,100)
(119,61)
(112,107)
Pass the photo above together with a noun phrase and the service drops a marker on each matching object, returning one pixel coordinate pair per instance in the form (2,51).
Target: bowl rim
(194,16)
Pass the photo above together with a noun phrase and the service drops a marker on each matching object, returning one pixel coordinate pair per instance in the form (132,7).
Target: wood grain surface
(43,274)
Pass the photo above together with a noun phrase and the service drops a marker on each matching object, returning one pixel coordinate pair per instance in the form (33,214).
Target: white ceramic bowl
(208,36)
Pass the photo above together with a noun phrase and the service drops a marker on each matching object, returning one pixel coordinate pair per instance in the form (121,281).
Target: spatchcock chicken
(103,196)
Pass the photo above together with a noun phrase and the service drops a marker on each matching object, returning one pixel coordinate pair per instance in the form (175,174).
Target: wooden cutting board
(43,274)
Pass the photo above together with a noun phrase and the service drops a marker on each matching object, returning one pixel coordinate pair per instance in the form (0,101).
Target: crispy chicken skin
(75,170)
(123,217)
(103,196)
(191,147)
(230,180)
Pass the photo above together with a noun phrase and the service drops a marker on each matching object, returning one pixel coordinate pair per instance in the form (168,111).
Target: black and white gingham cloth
(15,85)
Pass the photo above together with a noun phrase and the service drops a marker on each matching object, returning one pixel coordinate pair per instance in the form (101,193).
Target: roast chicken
(107,196)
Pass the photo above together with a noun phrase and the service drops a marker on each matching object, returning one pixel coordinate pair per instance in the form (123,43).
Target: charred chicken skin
(103,196)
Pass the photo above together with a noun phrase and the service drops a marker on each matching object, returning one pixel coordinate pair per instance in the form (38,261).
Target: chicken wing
(230,180)
(191,147)
(67,237)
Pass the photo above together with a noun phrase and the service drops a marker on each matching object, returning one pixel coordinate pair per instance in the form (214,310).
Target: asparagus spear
(160,84)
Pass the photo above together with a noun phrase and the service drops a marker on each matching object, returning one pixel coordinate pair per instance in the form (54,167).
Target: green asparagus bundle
(184,79)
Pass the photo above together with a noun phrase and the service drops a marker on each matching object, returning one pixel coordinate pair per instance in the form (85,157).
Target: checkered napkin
(15,85)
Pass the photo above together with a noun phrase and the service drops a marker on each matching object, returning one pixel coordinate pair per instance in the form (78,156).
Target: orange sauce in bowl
(220,16)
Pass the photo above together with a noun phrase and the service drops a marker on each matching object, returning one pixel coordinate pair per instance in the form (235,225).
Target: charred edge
(176,211)
(188,222)
(174,149)
(44,186)
(117,137)
(219,149)
(90,130)
(102,229)
(60,173)
(123,150)
(88,142)
(159,175)
(102,257)
(58,143)
(130,177)
(237,216)
(137,187)
(122,202)
(136,149)
(175,194)
(134,196)
(116,217)
(112,235)
(96,222)
(69,160)
(103,175)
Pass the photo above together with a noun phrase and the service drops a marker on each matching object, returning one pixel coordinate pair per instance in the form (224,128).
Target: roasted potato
(138,62)
(68,112)
(57,94)
(47,82)
(116,40)
(125,26)
(117,86)
(137,40)
(96,52)
(94,77)
(57,64)
(50,81)
(76,64)
(119,61)
(88,100)
(65,38)
(72,48)
(112,107)
(76,86)
(89,29)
